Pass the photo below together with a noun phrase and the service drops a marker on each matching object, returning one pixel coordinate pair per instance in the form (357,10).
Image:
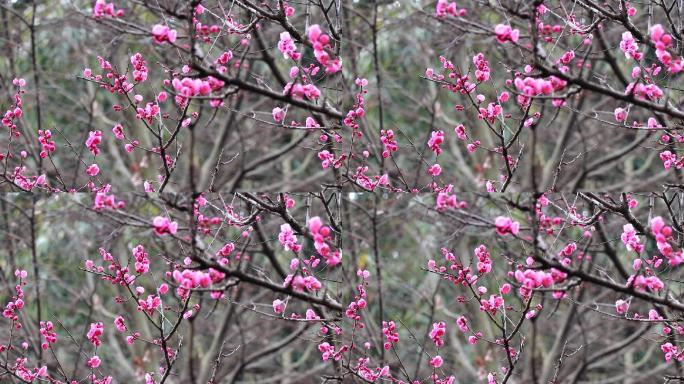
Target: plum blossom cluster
(47,330)
(437,333)
(435,142)
(140,69)
(112,80)
(504,33)
(163,225)
(225,251)
(482,71)
(670,160)
(302,283)
(359,302)
(457,82)
(492,305)
(149,304)
(621,306)
(531,279)
(287,46)
(106,200)
(505,225)
(371,375)
(321,46)
(142,261)
(645,91)
(389,142)
(629,46)
(9,120)
(162,33)
(328,159)
(484,259)
(357,111)
(368,183)
(447,199)
(47,144)
(16,303)
(102,9)
(389,329)
(445,8)
(115,272)
(455,271)
(322,234)
(187,88)
(190,279)
(93,170)
(120,324)
(663,235)
(328,351)
(672,352)
(223,60)
(630,239)
(460,83)
(93,142)
(302,91)
(663,42)
(15,111)
(288,239)
(27,374)
(26,182)
(93,335)
(646,283)
(531,86)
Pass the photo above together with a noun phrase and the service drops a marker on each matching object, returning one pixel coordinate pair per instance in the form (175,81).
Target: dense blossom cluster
(321,46)
(287,239)
(164,225)
(163,33)
(663,42)
(287,46)
(189,279)
(630,239)
(321,235)
(102,8)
